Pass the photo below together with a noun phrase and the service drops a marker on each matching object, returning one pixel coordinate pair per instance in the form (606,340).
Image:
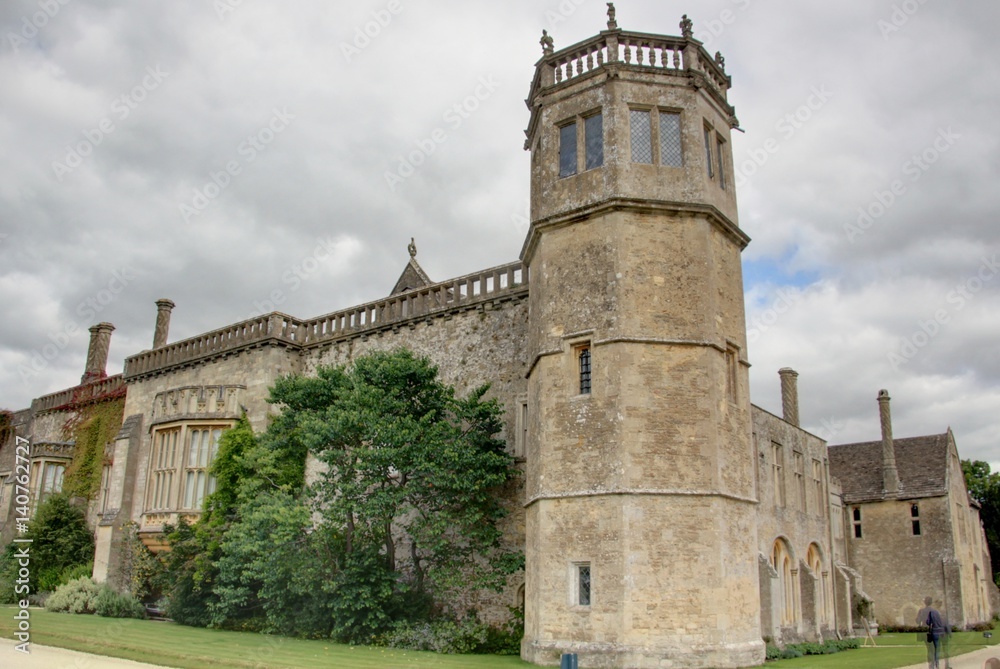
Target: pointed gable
(413,275)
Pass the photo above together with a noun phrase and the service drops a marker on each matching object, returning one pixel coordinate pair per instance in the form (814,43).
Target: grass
(196,648)
(893,650)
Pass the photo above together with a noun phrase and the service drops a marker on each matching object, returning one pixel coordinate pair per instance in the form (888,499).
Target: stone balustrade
(79,394)
(629,49)
(458,293)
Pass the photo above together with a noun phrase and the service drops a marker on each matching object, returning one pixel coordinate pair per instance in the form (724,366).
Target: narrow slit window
(915,519)
(670,140)
(708,153)
(593,127)
(583,355)
(720,146)
(641,130)
(583,584)
(857,523)
(567,150)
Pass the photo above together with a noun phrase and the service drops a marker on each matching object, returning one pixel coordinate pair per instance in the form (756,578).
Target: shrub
(77,571)
(790,653)
(77,596)
(111,604)
(440,636)
(772,652)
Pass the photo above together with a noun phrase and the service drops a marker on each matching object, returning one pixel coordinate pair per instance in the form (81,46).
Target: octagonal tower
(641,540)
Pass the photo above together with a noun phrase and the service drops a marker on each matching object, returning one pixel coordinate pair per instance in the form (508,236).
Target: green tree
(984,487)
(411,482)
(60,540)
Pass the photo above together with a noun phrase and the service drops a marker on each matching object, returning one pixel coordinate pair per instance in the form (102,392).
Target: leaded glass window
(584,353)
(641,130)
(593,127)
(567,150)
(721,146)
(708,152)
(198,483)
(583,584)
(670,139)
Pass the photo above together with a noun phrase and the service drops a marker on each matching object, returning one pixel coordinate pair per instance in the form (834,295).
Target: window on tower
(720,146)
(641,130)
(655,137)
(567,150)
(708,152)
(583,356)
(670,139)
(593,130)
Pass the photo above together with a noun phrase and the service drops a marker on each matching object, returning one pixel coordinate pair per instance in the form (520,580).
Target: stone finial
(720,60)
(97,352)
(548,44)
(163,309)
(612,23)
(687,27)
(412,248)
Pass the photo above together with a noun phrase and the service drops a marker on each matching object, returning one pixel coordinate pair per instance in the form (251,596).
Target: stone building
(912,529)
(664,518)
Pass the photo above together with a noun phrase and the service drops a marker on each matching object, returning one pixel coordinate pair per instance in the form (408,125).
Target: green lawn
(893,650)
(196,648)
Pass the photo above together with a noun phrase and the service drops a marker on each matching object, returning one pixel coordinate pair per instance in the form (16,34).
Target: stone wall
(800,516)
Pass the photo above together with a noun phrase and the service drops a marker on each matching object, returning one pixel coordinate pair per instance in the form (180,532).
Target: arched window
(781,560)
(815,561)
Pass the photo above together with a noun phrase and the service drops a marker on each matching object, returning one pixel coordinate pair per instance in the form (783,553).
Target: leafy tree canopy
(984,487)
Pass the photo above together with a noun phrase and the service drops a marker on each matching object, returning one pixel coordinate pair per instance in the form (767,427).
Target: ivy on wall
(91,427)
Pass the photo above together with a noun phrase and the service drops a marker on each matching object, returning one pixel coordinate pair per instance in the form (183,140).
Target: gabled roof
(922,463)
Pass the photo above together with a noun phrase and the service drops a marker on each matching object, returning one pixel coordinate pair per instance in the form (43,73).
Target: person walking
(937,629)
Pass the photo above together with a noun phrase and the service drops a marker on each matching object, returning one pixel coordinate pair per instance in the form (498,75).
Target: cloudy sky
(232,155)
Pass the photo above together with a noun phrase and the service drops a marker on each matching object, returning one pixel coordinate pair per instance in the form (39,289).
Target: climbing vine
(91,428)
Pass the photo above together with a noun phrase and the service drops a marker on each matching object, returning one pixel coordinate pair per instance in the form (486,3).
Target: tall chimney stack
(97,352)
(163,309)
(789,395)
(890,475)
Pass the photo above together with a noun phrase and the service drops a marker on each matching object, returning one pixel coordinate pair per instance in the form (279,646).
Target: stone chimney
(163,309)
(789,395)
(890,475)
(97,353)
